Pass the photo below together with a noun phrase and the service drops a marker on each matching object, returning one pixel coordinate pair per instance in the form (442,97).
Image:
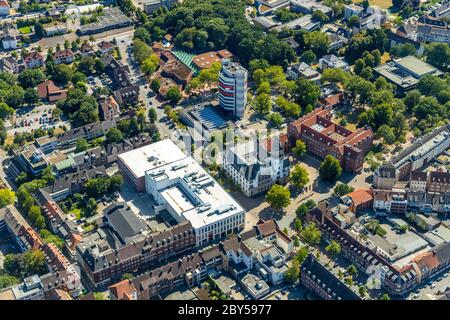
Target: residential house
(9,65)
(108,108)
(65,56)
(105,47)
(33,60)
(86,50)
(331,61)
(303,70)
(9,36)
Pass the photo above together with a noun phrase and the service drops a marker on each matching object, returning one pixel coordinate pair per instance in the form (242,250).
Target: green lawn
(76,212)
(25,30)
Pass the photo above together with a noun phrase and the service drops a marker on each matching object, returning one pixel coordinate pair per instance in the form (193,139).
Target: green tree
(302,254)
(62,74)
(311,234)
(353,21)
(330,169)
(300,148)
(152,116)
(82,145)
(352,270)
(114,135)
(317,42)
(86,65)
(155,85)
(342,189)
(127,276)
(333,248)
(263,104)
(306,93)
(299,176)
(5,110)
(7,197)
(173,95)
(297,225)
(308,56)
(31,96)
(7,281)
(278,197)
(293,272)
(30,78)
(386,133)
(438,54)
(276,119)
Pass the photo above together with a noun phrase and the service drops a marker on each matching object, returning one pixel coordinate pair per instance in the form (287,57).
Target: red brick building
(323,137)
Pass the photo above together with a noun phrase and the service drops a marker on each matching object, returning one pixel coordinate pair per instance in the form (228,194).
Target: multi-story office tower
(233,88)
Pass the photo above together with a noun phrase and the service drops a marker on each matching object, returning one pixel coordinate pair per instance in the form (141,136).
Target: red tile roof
(123,290)
(361,196)
(49,90)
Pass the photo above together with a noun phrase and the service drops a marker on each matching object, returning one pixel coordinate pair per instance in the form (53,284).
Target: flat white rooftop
(151,157)
(192,194)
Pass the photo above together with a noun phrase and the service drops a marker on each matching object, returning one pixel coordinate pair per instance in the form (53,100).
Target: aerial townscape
(225,150)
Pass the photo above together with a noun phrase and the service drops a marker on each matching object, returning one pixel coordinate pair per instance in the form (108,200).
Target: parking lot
(28,119)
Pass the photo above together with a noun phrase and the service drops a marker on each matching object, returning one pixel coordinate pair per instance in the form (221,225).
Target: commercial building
(112,19)
(413,158)
(305,22)
(89,131)
(51,30)
(352,10)
(430,29)
(152,5)
(189,193)
(255,167)
(443,11)
(406,72)
(125,243)
(30,289)
(133,164)
(401,265)
(323,137)
(423,192)
(310,6)
(233,88)
(235,256)
(207,59)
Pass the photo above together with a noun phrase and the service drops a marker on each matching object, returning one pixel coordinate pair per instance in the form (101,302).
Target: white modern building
(187,192)
(233,88)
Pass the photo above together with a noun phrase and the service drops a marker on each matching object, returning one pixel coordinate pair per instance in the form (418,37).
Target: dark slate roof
(328,279)
(124,222)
